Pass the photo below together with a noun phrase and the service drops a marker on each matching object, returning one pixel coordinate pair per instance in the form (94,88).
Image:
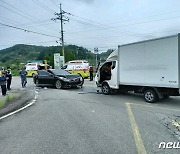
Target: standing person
(2,70)
(3,83)
(91,73)
(9,78)
(23,74)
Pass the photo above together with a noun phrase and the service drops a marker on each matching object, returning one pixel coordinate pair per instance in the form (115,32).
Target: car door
(45,78)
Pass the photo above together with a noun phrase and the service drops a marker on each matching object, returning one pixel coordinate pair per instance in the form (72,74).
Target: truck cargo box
(154,63)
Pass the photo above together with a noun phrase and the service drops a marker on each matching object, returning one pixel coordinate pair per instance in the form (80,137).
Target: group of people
(6,78)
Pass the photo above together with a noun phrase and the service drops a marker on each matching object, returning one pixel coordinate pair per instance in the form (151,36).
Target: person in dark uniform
(9,78)
(91,73)
(3,83)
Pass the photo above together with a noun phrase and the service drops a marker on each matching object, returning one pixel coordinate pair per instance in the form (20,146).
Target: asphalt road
(80,121)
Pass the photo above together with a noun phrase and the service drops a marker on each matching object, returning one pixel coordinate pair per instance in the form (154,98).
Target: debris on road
(173,125)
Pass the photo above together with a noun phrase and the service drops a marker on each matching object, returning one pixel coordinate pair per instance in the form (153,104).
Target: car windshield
(60,72)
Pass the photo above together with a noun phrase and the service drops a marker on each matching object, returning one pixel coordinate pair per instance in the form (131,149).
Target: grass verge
(7,100)
(2,103)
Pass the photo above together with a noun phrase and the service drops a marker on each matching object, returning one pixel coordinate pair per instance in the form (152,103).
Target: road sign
(61,61)
(96,50)
(57,60)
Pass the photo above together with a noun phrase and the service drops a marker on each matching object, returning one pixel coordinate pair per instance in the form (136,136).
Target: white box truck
(150,67)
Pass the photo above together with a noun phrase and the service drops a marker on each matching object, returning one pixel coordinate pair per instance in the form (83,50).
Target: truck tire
(58,84)
(105,89)
(150,96)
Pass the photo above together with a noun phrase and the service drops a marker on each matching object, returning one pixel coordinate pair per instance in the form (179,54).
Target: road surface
(80,121)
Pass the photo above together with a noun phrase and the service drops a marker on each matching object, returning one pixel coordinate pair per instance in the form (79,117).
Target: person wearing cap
(3,83)
(9,78)
(23,74)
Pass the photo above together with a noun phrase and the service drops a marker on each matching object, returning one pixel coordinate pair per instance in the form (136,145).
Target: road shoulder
(15,100)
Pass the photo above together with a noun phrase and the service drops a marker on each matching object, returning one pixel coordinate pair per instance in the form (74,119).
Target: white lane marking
(14,112)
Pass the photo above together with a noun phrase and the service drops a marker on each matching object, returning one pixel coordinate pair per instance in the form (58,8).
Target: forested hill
(22,53)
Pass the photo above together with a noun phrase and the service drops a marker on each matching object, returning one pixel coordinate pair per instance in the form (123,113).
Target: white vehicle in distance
(80,67)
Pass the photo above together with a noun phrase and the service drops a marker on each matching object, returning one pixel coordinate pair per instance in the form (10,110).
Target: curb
(17,103)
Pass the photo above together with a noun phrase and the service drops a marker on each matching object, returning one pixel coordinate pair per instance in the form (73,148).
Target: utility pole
(62,18)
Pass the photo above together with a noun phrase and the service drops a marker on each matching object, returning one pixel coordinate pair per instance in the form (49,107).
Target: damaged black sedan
(57,78)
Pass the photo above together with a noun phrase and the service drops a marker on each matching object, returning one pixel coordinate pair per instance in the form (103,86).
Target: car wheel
(150,96)
(58,84)
(37,82)
(105,89)
(80,75)
(82,82)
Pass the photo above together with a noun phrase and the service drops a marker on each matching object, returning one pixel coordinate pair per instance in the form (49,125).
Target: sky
(102,24)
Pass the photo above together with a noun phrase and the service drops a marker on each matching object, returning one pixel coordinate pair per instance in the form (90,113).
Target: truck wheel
(150,96)
(58,84)
(105,89)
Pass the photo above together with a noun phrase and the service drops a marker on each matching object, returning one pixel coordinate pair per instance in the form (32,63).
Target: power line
(43,6)
(54,3)
(111,29)
(145,17)
(34,23)
(61,16)
(13,22)
(103,26)
(15,12)
(148,21)
(124,31)
(31,17)
(25,30)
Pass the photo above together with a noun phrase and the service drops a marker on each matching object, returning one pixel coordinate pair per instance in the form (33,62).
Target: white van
(80,67)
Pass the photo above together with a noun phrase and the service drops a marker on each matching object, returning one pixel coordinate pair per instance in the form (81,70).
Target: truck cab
(107,74)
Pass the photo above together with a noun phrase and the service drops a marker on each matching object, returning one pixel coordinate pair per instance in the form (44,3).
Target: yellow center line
(139,143)
(150,106)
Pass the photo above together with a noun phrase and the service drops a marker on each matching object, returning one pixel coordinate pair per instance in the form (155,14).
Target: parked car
(57,78)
